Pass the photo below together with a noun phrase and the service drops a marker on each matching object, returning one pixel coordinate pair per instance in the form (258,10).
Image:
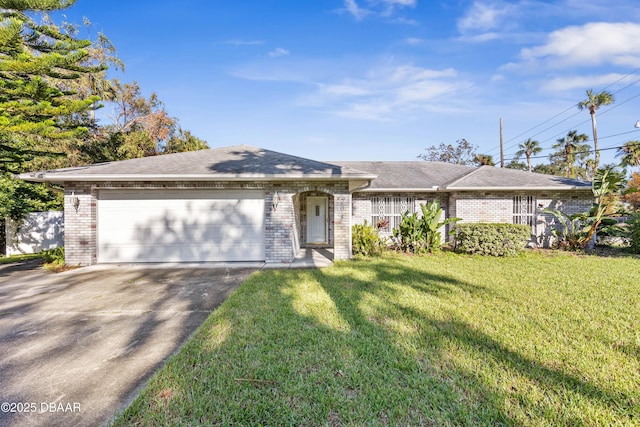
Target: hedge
(491,239)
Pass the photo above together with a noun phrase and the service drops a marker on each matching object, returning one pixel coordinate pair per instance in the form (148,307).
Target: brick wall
(283,224)
(80,238)
(498,207)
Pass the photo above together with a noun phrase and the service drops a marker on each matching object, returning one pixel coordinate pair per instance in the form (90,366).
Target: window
(524,211)
(386,212)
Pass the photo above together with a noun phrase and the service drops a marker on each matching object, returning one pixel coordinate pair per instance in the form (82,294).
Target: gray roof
(241,162)
(438,176)
(415,175)
(491,177)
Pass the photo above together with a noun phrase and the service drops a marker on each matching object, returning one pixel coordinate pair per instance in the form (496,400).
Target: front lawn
(18,258)
(540,339)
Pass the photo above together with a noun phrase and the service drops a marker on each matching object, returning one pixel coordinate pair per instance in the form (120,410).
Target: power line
(570,117)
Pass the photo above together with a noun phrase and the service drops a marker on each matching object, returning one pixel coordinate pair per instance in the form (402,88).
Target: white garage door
(180,226)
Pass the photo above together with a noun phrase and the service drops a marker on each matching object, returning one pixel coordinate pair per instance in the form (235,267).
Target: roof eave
(155,177)
(521,188)
(395,190)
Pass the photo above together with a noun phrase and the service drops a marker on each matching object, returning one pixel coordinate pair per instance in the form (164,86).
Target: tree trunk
(595,139)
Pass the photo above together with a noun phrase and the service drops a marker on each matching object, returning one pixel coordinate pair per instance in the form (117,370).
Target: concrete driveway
(76,347)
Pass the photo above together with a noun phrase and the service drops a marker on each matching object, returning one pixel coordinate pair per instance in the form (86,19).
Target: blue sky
(380,79)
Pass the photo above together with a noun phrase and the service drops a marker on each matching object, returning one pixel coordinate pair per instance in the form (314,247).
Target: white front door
(317,220)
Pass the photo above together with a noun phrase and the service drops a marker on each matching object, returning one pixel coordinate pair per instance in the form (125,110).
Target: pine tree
(38,63)
(39,112)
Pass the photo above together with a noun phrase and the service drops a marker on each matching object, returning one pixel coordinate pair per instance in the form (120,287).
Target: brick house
(243,203)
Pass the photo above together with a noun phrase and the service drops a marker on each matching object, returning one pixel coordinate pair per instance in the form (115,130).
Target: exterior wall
(491,206)
(80,242)
(38,231)
(363,210)
(498,207)
(282,220)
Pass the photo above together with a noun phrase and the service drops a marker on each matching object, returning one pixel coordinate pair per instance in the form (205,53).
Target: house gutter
(434,189)
(42,177)
(449,189)
(559,187)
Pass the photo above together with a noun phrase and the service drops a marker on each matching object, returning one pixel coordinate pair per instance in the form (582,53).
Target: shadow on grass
(347,346)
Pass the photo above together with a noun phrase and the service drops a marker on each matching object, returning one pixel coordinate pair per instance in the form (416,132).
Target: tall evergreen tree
(37,63)
(39,111)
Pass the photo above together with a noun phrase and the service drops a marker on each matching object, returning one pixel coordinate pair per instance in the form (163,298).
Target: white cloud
(591,44)
(352,7)
(278,52)
(388,93)
(580,82)
(384,8)
(484,16)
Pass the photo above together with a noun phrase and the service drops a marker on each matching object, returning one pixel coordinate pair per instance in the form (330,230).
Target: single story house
(244,203)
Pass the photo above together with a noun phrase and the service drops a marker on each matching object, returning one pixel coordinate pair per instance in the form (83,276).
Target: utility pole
(501,146)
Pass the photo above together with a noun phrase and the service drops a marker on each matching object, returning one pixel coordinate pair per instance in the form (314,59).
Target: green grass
(18,258)
(539,339)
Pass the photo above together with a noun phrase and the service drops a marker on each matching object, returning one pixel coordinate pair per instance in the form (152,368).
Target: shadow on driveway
(77,346)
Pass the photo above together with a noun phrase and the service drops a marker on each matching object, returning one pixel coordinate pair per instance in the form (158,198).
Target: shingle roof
(434,176)
(416,175)
(243,162)
(490,177)
(228,163)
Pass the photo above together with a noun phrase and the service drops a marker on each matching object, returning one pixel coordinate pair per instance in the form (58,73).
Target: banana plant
(419,234)
(431,224)
(576,231)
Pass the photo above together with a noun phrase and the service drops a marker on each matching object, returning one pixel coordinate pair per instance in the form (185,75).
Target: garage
(175,225)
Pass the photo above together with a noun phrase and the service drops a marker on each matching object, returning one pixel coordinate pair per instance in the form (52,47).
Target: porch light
(275,201)
(75,201)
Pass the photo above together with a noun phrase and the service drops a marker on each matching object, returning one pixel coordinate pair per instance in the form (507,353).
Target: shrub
(54,257)
(492,239)
(634,232)
(365,240)
(419,234)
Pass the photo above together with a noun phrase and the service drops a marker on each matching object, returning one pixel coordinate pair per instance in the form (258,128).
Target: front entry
(317,229)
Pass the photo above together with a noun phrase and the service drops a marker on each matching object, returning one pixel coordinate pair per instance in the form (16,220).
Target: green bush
(365,240)
(421,234)
(55,257)
(491,239)
(634,231)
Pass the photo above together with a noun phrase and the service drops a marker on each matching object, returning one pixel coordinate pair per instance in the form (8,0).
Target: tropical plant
(528,149)
(630,154)
(570,150)
(592,103)
(578,230)
(570,231)
(484,160)
(419,234)
(365,240)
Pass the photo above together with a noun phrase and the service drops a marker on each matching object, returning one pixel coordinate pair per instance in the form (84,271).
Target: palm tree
(484,160)
(630,153)
(570,149)
(528,148)
(592,103)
